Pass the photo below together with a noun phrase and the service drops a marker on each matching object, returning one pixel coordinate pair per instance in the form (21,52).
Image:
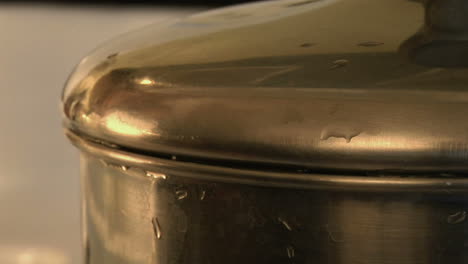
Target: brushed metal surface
(325,85)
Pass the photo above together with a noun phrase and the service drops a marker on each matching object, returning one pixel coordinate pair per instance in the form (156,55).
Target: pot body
(132,216)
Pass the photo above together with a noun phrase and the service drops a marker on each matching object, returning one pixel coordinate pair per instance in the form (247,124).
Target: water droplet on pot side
(156,227)
(306,45)
(291,252)
(338,64)
(370,44)
(334,235)
(285,223)
(457,217)
(181,194)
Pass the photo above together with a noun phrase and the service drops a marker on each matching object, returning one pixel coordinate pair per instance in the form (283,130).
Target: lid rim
(267,165)
(339,182)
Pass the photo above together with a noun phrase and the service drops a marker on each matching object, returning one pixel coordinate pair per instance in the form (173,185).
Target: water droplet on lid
(301,3)
(339,63)
(113,55)
(291,252)
(347,133)
(285,224)
(202,197)
(124,168)
(156,227)
(73,110)
(155,175)
(370,44)
(448,183)
(181,194)
(457,217)
(174,157)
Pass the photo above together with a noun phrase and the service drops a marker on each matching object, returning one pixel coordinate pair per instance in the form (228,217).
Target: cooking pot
(293,131)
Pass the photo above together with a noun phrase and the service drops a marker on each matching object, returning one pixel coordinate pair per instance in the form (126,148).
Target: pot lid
(358,85)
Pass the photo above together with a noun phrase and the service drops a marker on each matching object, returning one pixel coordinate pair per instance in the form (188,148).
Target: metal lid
(321,84)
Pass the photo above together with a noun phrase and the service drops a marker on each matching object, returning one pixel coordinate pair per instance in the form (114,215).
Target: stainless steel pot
(287,131)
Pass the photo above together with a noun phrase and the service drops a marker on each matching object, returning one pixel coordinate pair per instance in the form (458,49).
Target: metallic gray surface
(134,214)
(325,85)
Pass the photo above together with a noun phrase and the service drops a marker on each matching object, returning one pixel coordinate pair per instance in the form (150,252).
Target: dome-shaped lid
(322,84)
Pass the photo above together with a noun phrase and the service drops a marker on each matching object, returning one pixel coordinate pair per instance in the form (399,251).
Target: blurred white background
(39,183)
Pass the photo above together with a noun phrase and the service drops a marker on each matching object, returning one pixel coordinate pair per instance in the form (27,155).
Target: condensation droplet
(448,175)
(124,168)
(174,157)
(457,217)
(181,194)
(114,166)
(291,252)
(370,44)
(301,3)
(448,191)
(73,110)
(338,64)
(203,194)
(306,45)
(334,236)
(347,134)
(155,175)
(113,55)
(448,183)
(285,224)
(181,225)
(105,143)
(156,227)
